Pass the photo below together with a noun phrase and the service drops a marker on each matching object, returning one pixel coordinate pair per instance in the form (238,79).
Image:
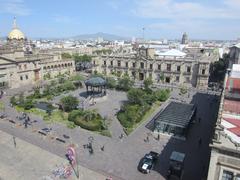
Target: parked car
(147,163)
(176,168)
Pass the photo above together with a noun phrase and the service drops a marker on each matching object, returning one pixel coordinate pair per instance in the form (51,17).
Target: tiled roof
(232,106)
(233,121)
(235,131)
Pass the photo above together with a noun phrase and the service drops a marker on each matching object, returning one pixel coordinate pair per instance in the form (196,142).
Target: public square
(121,156)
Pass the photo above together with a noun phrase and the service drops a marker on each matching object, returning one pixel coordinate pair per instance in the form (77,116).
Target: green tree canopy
(66,56)
(82,58)
(147,83)
(69,103)
(218,69)
(124,83)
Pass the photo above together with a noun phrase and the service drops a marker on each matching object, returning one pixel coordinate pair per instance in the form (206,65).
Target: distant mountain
(105,36)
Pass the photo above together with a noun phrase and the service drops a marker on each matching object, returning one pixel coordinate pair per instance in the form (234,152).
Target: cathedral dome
(16,33)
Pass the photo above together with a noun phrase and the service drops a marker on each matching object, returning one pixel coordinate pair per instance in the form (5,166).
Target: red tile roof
(231,106)
(235,84)
(233,121)
(235,130)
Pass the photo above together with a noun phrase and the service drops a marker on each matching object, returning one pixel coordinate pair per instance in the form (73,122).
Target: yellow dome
(16,34)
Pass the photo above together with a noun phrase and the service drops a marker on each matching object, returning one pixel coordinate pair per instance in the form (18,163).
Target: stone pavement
(27,162)
(121,156)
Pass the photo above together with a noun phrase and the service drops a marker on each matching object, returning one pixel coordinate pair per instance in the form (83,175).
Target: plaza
(120,156)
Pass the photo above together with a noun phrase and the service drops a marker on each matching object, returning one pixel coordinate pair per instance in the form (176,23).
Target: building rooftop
(172,52)
(95,82)
(177,114)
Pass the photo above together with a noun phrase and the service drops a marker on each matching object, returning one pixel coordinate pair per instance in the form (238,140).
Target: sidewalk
(27,161)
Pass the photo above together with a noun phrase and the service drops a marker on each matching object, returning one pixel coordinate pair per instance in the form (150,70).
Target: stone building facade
(191,70)
(234,55)
(225,146)
(19,66)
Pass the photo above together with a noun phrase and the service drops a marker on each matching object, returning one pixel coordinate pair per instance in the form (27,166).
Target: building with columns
(19,66)
(189,68)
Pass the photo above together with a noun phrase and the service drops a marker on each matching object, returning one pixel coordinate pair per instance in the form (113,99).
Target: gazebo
(97,85)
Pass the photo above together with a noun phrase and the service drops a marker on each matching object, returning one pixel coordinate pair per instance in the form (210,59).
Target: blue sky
(201,19)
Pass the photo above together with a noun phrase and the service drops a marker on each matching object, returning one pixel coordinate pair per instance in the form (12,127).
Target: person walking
(14,141)
(199,141)
(102,148)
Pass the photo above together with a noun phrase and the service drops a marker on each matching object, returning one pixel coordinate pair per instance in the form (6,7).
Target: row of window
(22,77)
(169,66)
(24,66)
(57,66)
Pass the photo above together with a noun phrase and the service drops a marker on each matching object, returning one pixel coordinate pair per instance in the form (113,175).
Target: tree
(82,58)
(135,96)
(69,103)
(162,95)
(218,69)
(66,56)
(111,82)
(89,115)
(147,83)
(125,83)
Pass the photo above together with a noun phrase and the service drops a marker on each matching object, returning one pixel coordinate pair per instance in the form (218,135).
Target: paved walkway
(26,161)
(120,157)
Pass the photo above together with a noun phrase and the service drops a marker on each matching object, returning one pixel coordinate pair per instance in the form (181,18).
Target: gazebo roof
(95,82)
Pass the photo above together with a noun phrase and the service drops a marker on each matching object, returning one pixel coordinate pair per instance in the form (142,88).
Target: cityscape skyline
(160,18)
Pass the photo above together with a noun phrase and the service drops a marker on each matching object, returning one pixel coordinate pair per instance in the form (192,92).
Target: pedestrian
(25,123)
(199,141)
(14,141)
(199,119)
(102,148)
(121,136)
(158,137)
(147,139)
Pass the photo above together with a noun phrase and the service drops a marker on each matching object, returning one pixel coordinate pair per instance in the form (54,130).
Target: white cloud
(184,10)
(15,7)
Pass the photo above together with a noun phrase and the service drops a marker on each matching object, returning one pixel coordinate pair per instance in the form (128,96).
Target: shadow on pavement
(197,154)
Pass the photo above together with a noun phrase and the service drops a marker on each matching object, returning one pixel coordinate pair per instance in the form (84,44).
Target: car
(147,163)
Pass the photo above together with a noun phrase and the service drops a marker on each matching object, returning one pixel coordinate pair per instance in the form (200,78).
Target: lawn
(2,106)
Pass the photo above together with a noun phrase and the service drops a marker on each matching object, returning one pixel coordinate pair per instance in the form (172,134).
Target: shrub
(89,120)
(94,125)
(162,95)
(183,90)
(13,100)
(111,82)
(28,104)
(124,84)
